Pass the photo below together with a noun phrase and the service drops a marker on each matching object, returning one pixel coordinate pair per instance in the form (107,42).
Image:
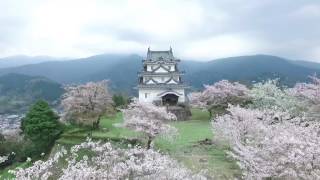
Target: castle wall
(150,95)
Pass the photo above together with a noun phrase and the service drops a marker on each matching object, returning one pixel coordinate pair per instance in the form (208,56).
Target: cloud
(202,30)
(308,11)
(219,46)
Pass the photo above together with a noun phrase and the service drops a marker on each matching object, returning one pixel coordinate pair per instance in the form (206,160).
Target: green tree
(120,100)
(41,125)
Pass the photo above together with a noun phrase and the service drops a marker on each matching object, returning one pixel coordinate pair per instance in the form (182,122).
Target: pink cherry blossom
(86,103)
(108,162)
(268,148)
(149,119)
(220,94)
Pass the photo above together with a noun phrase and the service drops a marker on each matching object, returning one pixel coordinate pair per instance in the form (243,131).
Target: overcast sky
(198,30)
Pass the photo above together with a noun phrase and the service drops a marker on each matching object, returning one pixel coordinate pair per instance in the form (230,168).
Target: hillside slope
(18,91)
(307,64)
(248,69)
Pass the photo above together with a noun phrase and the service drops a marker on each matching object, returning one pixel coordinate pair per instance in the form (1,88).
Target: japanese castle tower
(160,80)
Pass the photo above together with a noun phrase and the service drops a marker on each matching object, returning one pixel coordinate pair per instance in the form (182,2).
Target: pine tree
(41,125)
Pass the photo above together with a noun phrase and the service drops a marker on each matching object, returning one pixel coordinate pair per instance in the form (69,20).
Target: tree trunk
(149,142)
(97,123)
(210,113)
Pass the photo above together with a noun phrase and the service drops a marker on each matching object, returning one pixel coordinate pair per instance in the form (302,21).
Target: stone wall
(181,111)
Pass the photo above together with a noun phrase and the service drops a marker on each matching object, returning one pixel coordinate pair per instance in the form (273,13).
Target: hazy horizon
(142,55)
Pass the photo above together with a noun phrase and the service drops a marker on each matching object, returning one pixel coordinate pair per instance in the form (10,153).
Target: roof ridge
(160,51)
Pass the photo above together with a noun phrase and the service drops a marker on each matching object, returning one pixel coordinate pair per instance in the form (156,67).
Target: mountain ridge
(122,70)
(20,60)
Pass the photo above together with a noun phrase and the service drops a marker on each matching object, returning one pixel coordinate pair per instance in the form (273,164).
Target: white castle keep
(160,80)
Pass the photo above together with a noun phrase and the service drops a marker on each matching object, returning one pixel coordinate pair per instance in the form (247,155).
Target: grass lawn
(187,149)
(109,130)
(4,174)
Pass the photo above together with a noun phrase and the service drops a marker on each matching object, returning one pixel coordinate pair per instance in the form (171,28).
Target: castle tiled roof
(161,86)
(160,64)
(169,92)
(160,55)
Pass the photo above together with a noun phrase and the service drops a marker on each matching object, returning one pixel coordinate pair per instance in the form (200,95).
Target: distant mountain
(122,70)
(307,64)
(13,61)
(248,69)
(74,71)
(18,91)
(122,73)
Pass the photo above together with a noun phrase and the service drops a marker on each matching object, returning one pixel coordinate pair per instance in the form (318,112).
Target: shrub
(120,100)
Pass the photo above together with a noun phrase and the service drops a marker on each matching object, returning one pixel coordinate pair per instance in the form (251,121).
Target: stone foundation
(182,112)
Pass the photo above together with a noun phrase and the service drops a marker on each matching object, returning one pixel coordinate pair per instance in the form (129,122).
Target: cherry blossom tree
(197,100)
(86,103)
(308,91)
(268,148)
(148,119)
(107,162)
(219,95)
(269,95)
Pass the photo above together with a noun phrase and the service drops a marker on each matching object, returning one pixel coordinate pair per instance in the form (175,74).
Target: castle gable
(172,81)
(160,69)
